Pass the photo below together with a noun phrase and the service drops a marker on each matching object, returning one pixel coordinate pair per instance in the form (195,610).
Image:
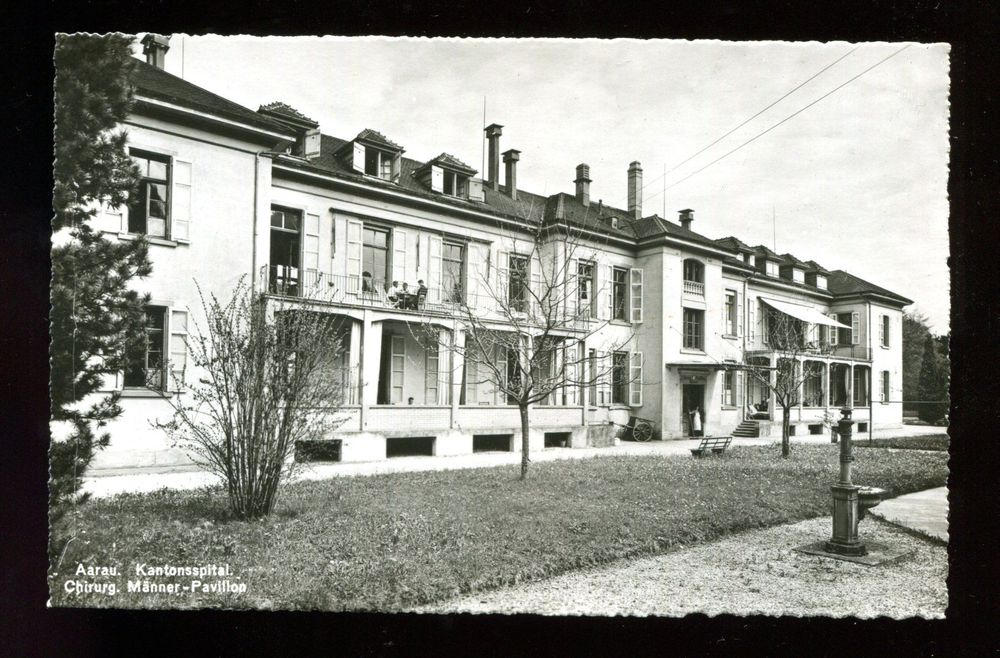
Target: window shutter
(635,296)
(738,393)
(114,218)
(397,356)
(832,333)
(180,212)
(471,377)
(178,349)
(310,144)
(355,230)
(855,328)
(535,279)
(752,321)
(739,315)
(310,250)
(475,273)
(572,292)
(437,178)
(763,325)
(358,163)
(609,292)
(635,380)
(397,167)
(398,255)
(476,190)
(606,363)
(881,330)
(444,367)
(572,374)
(434,269)
(503,277)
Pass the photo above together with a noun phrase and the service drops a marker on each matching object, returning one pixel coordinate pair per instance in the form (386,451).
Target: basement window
(557,439)
(492,442)
(410,446)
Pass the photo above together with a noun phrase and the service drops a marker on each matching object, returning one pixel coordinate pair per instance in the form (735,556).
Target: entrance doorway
(693,398)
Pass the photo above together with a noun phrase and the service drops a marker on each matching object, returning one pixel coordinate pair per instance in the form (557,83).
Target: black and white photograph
(545,326)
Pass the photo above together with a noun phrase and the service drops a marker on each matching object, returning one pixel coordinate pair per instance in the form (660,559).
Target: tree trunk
(524,441)
(785,426)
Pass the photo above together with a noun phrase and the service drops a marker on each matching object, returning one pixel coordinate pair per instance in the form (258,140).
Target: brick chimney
(493,132)
(510,158)
(583,184)
(635,190)
(155,47)
(686,216)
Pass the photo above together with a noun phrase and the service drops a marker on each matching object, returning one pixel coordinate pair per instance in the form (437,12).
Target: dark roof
(761,250)
(792,260)
(734,243)
(816,267)
(449,161)
(277,107)
(842,283)
(157,83)
(375,137)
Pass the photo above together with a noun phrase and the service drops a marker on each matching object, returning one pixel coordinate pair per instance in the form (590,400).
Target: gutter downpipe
(253,251)
(871,377)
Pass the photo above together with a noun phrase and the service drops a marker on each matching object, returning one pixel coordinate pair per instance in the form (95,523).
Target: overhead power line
(745,122)
(790,116)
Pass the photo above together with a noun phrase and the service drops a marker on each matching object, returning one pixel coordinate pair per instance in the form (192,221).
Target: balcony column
(850,386)
(802,385)
(371,357)
(584,375)
(457,368)
(354,363)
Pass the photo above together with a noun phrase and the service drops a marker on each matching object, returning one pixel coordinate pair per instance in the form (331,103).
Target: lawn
(394,541)
(927,442)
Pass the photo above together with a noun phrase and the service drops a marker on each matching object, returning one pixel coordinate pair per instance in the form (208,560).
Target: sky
(855,181)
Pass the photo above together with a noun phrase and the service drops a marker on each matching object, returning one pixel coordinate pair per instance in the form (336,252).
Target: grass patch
(394,541)
(928,442)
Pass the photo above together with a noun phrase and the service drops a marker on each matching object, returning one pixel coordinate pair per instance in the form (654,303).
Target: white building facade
(328,224)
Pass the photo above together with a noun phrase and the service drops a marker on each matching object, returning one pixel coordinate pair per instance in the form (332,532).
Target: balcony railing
(853,352)
(375,293)
(694,288)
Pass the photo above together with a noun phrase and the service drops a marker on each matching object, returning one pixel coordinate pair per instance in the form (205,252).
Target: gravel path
(754,572)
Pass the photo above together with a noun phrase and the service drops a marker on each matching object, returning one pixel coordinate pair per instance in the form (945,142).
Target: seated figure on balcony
(407,300)
(366,282)
(421,293)
(393,294)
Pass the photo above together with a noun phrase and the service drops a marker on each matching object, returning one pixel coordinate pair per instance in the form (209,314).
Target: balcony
(694,288)
(373,293)
(847,352)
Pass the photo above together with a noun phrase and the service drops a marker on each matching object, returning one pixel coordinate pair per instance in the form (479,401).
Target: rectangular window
(378,163)
(585,297)
(455,184)
(884,331)
(513,378)
(147,369)
(860,386)
(885,386)
(452,260)
(694,329)
(815,375)
(619,378)
(149,211)
(635,381)
(517,286)
(374,259)
(635,294)
(728,388)
(619,294)
(771,268)
(731,312)
(844,335)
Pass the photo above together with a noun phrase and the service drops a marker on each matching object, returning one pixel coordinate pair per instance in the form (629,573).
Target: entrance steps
(747,429)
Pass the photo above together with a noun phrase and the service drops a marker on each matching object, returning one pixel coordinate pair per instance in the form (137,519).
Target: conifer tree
(96,321)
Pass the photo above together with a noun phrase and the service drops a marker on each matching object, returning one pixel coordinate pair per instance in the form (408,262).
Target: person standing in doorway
(696,421)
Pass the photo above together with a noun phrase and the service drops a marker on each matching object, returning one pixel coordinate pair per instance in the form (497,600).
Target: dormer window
(821,282)
(455,184)
(378,163)
(750,260)
(798,276)
(448,175)
(771,268)
(372,154)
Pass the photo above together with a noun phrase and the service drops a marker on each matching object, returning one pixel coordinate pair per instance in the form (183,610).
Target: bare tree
(789,339)
(268,375)
(524,321)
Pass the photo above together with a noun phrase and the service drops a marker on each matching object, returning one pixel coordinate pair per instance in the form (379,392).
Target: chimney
(155,47)
(493,132)
(687,216)
(510,159)
(583,184)
(635,190)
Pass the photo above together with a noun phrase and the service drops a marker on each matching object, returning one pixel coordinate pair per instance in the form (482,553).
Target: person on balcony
(393,294)
(366,282)
(421,293)
(406,297)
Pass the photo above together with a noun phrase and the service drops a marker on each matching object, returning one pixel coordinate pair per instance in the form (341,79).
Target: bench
(717,444)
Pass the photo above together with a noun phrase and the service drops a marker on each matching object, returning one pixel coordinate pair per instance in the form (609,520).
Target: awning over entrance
(804,313)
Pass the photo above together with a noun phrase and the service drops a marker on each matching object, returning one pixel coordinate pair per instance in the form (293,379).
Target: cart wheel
(643,431)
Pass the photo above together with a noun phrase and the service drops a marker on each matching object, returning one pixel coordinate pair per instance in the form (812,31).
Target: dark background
(28,628)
